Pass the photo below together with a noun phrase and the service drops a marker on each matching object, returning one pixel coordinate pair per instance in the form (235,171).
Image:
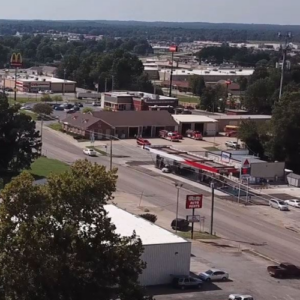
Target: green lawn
(187,99)
(211,148)
(44,166)
(197,235)
(56,126)
(22,100)
(29,113)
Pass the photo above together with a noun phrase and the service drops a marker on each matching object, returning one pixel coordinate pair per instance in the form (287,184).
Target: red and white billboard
(173,48)
(193,201)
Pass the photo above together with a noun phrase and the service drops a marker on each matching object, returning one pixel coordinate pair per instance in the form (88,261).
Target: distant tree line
(170,31)
(39,49)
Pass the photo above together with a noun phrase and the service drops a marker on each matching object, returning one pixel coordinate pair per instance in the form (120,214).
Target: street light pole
(178,186)
(171,75)
(212,208)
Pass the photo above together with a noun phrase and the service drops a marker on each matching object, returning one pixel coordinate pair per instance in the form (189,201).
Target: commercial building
(34,84)
(236,120)
(123,124)
(119,101)
(164,252)
(258,169)
(207,126)
(209,75)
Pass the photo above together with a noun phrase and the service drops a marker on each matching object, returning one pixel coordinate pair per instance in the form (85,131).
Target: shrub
(149,217)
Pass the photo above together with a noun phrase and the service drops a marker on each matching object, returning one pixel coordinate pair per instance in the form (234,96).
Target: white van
(278,204)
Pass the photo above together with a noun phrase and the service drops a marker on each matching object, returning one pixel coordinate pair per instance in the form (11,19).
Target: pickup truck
(284,270)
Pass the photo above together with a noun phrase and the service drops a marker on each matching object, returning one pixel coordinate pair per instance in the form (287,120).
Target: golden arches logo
(16,60)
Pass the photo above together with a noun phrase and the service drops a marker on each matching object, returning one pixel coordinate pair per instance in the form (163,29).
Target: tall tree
(20,143)
(42,108)
(197,84)
(57,241)
(285,141)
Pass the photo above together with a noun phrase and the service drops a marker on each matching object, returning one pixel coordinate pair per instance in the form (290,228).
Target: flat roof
(213,72)
(242,117)
(149,233)
(193,119)
(32,78)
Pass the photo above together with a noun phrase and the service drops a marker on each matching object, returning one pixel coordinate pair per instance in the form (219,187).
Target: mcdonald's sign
(173,48)
(16,60)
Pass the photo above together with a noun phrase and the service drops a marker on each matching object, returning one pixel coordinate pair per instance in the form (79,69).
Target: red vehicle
(196,135)
(284,270)
(171,136)
(176,133)
(142,142)
(231,134)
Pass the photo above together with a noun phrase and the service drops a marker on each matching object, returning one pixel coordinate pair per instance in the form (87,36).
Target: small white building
(207,126)
(164,252)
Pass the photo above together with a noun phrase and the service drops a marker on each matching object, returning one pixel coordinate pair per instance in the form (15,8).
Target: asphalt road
(232,221)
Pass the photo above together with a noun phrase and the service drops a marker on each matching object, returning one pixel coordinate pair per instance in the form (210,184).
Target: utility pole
(42,124)
(112,82)
(171,75)
(178,186)
(212,208)
(105,87)
(285,48)
(110,159)
(64,81)
(15,89)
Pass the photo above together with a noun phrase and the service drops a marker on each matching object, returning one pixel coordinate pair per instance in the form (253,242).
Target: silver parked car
(213,275)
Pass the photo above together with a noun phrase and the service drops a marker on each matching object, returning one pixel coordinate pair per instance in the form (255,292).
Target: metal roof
(149,233)
(193,119)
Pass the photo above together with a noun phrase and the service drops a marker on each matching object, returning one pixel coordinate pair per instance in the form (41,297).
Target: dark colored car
(284,270)
(182,224)
(186,282)
(59,108)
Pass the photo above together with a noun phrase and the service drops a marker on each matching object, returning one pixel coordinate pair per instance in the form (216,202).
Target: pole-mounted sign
(193,201)
(16,60)
(173,48)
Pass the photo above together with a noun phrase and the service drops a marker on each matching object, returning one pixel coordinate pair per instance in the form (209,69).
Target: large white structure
(164,252)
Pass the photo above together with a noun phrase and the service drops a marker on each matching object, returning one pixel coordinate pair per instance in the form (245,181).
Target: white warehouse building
(164,252)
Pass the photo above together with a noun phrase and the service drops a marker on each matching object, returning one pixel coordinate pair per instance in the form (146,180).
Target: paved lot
(247,271)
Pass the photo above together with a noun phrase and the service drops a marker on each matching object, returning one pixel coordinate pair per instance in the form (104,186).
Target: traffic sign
(173,48)
(193,218)
(193,201)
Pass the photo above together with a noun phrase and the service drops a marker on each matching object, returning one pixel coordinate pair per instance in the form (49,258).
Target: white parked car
(293,202)
(89,152)
(278,204)
(240,297)
(213,275)
(232,144)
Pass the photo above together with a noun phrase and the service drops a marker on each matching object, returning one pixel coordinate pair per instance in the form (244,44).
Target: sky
(216,11)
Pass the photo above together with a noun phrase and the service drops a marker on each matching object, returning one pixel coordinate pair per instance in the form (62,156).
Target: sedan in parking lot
(213,275)
(90,152)
(293,202)
(185,282)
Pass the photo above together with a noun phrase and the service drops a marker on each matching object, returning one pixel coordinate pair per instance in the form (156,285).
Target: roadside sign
(193,201)
(193,218)
(173,48)
(246,164)
(16,60)
(225,157)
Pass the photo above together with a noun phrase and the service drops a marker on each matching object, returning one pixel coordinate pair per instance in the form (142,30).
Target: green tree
(57,98)
(254,136)
(57,241)
(46,98)
(285,142)
(259,96)
(20,143)
(197,84)
(208,99)
(86,110)
(42,108)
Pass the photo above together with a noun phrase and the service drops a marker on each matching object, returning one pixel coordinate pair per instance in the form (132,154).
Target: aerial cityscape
(150,151)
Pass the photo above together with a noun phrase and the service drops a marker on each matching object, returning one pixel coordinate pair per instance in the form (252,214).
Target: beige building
(34,84)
